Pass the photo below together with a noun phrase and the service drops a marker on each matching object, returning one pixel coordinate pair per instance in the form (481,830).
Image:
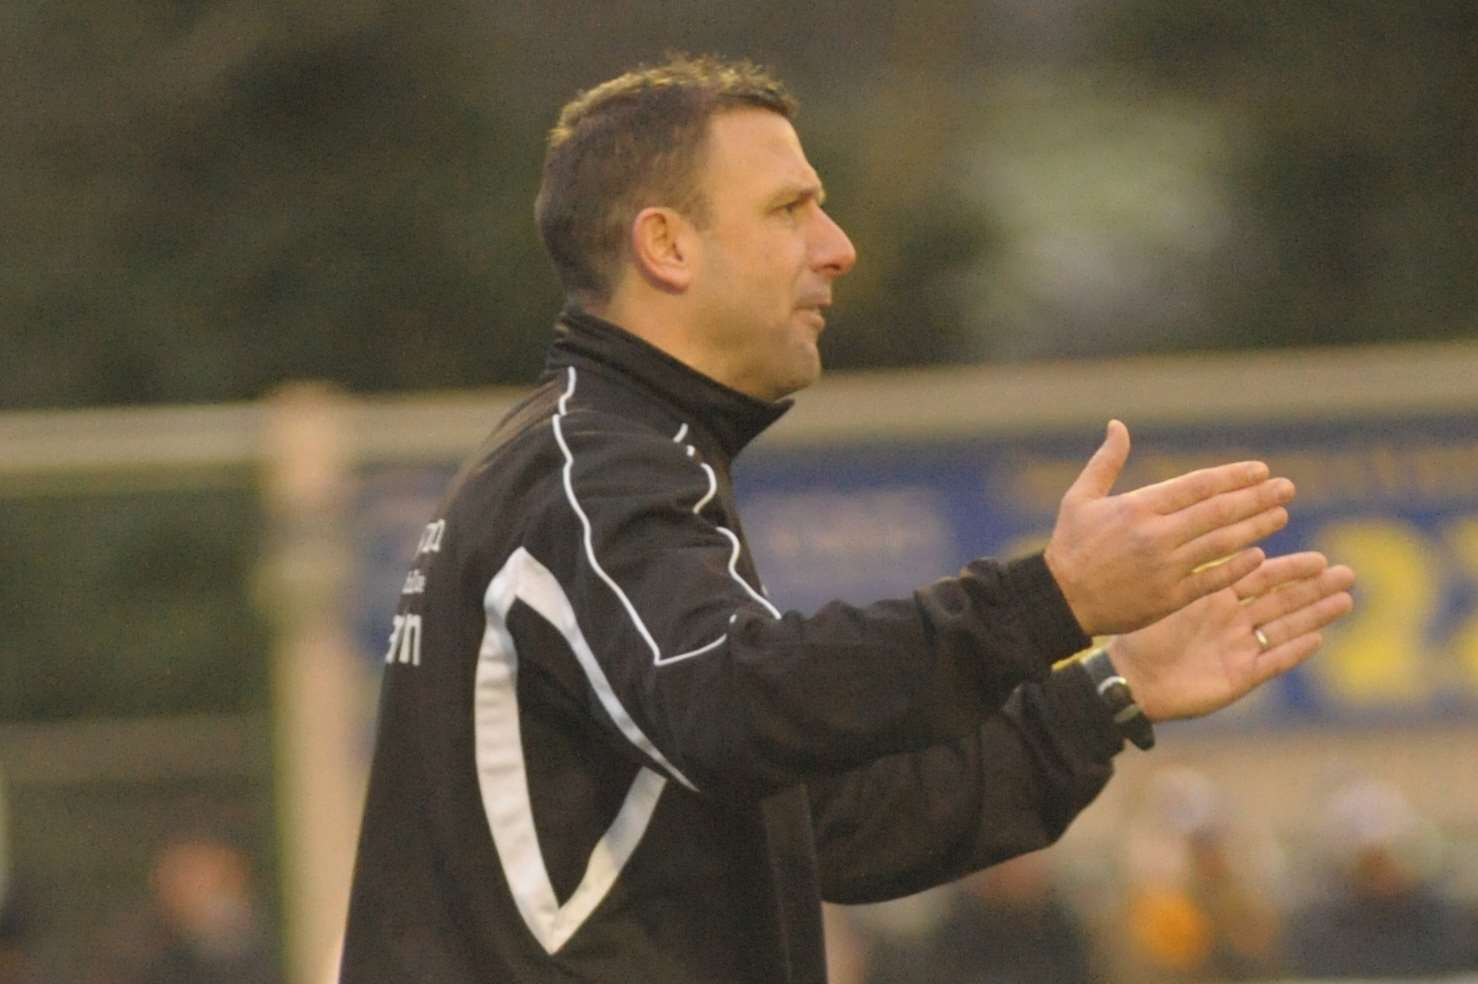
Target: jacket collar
(732,417)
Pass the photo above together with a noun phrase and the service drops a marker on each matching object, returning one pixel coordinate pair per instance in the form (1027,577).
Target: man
(604,755)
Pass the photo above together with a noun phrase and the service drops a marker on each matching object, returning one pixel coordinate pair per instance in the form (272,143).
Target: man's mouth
(816,310)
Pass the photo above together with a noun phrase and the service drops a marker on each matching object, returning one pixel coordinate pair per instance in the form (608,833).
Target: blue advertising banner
(1396,498)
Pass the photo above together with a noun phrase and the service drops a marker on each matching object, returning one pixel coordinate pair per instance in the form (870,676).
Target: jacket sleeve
(726,693)
(912,821)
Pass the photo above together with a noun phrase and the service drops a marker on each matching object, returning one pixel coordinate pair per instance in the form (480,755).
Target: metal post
(316,680)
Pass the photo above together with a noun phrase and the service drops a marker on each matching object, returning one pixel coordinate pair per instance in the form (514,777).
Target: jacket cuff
(1084,718)
(1049,622)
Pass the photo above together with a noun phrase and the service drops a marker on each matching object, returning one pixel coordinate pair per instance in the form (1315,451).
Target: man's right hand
(1124,561)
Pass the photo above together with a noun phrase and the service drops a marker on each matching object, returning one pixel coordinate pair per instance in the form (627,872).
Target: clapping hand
(1125,561)
(1223,645)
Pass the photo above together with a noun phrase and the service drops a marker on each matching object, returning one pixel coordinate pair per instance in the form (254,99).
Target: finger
(1102,470)
(1278,571)
(1214,577)
(1232,507)
(1306,620)
(1219,543)
(1291,597)
(1175,494)
(1285,656)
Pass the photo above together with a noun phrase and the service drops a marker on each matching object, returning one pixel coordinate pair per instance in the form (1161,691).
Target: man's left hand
(1208,654)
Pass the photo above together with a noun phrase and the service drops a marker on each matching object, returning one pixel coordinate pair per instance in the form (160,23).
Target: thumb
(1102,470)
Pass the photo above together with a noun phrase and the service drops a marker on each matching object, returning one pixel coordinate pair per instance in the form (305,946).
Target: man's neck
(665,327)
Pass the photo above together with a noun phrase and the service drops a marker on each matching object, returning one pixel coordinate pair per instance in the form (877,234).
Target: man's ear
(664,248)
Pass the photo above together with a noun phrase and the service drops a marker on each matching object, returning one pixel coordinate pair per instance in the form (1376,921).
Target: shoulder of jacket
(614,431)
(607,456)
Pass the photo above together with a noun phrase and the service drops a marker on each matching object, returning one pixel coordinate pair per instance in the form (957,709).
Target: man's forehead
(761,145)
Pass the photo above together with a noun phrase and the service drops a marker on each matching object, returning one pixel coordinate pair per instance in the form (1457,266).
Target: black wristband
(1114,691)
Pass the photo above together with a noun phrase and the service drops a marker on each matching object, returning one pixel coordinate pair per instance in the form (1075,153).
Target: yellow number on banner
(1379,657)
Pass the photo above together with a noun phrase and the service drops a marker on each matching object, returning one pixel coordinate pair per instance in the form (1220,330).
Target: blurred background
(271,270)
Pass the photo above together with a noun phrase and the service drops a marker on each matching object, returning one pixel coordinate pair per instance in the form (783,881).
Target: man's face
(768,255)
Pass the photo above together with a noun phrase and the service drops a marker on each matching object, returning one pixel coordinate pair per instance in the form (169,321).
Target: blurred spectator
(204,924)
(886,942)
(1383,913)
(1197,900)
(17,964)
(1010,925)
(1005,925)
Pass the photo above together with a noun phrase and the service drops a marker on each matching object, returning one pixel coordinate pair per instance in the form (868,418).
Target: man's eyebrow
(801,190)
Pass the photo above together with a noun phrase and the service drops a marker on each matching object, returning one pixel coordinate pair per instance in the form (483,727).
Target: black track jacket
(603,755)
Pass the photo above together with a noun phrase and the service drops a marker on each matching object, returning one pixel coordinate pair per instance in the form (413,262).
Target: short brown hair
(633,142)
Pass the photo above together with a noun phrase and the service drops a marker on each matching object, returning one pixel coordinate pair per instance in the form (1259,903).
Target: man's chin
(804,373)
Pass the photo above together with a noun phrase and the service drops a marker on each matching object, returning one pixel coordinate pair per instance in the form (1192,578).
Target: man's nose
(834,251)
